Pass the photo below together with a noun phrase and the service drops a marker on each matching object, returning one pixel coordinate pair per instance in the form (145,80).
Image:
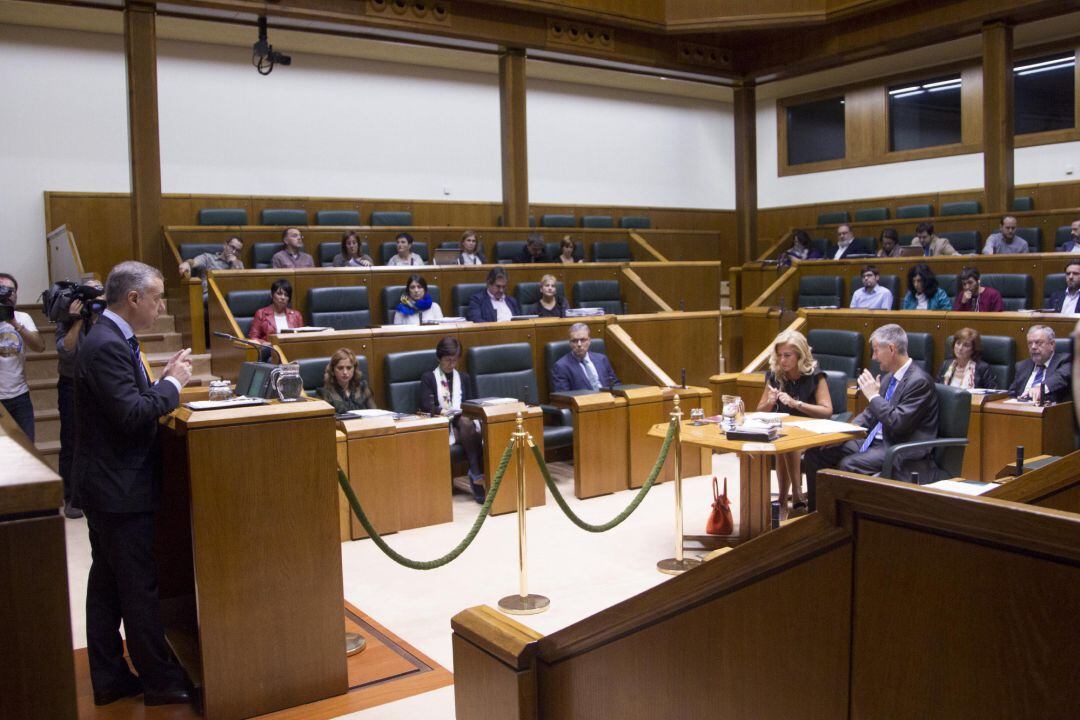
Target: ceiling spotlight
(263,55)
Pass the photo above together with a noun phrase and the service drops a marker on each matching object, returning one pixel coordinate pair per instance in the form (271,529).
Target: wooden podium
(249,556)
(1048,430)
(38,678)
(649,405)
(400,472)
(498,423)
(600,441)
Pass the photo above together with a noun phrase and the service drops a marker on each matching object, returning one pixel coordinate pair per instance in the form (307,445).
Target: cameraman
(69,333)
(17,333)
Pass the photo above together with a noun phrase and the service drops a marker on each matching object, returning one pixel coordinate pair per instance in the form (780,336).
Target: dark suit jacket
(429,394)
(568,374)
(1058,377)
(911,416)
(524,257)
(116,464)
(1068,246)
(481,309)
(984,374)
(1057,301)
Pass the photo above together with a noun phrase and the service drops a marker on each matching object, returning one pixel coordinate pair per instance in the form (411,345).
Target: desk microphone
(264,350)
(1019,460)
(684,378)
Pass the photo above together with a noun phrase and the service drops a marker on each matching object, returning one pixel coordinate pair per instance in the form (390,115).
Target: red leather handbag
(720,521)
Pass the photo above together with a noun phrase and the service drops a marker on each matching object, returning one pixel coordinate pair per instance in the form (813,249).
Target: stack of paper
(825,427)
(365,413)
(963,487)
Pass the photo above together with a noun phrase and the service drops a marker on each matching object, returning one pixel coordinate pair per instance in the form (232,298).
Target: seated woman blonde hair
(344,385)
(794,384)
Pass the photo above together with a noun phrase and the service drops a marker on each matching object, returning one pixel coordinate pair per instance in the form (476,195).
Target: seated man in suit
(903,408)
(1065,301)
(534,250)
(844,238)
(1045,368)
(1073,243)
(931,243)
(493,304)
(580,369)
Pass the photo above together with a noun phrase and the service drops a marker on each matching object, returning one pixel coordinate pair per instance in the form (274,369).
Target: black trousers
(842,457)
(65,404)
(469,437)
(123,586)
(21,410)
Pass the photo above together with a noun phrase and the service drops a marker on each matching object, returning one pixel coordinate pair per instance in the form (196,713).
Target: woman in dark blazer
(967,369)
(442,391)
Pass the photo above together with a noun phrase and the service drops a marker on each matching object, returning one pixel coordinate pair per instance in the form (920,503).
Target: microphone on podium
(264,350)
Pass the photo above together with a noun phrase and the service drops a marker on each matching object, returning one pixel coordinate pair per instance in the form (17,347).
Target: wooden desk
(498,423)
(249,555)
(600,441)
(1046,430)
(978,437)
(755,511)
(38,679)
(400,471)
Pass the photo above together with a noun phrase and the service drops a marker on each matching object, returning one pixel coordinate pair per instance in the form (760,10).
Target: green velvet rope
(629,508)
(461,546)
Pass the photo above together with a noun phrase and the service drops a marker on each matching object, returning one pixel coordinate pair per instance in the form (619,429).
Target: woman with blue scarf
(416,306)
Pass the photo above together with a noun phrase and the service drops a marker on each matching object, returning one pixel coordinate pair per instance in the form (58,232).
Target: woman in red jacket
(277,315)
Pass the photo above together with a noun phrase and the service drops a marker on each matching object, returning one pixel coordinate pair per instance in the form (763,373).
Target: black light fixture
(263,55)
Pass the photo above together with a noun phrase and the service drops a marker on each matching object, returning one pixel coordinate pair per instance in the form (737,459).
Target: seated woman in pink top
(277,315)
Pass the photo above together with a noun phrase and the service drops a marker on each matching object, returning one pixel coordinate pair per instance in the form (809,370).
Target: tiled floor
(580,572)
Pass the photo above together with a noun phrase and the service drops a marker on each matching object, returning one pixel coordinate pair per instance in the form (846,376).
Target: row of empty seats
(1016,290)
(506,251)
(925,210)
(395,218)
(348,308)
(965,242)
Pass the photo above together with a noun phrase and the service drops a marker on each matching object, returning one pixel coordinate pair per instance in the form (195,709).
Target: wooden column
(515,151)
(746,170)
(997,42)
(140,51)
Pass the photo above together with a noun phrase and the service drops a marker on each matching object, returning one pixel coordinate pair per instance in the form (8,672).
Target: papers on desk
(764,417)
(303,329)
(982,391)
(489,401)
(584,312)
(448,320)
(365,413)
(825,427)
(962,487)
(239,401)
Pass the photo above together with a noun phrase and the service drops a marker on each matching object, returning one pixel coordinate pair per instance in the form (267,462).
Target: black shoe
(479,493)
(129,688)
(167,697)
(71,512)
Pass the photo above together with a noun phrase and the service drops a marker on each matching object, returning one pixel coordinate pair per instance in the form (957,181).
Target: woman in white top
(405,254)
(416,306)
(471,252)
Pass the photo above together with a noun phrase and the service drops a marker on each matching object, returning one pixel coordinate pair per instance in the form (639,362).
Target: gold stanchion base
(671,566)
(354,644)
(527,605)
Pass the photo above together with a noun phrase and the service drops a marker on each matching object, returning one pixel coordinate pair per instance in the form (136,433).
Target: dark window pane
(1044,94)
(815,131)
(924,114)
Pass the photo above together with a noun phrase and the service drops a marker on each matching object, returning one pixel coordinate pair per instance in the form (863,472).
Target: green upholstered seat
(871,214)
(459,297)
(635,222)
(822,246)
(244,303)
(263,254)
(1061,236)
(313,373)
(999,352)
(340,308)
(391,296)
(892,282)
(389,249)
(598,293)
(191,250)
(597,221)
(450,245)
(840,350)
(1034,237)
(961,207)
(1052,283)
(223,216)
(954,414)
(833,218)
(528,293)
(906,239)
(401,378)
(821,290)
(558,221)
(949,283)
(1063,346)
(920,349)
(1016,290)
(532,221)
(507,251)
(906,212)
(1023,204)
(611,251)
(838,383)
(328,250)
(965,242)
(338,217)
(283,216)
(391,218)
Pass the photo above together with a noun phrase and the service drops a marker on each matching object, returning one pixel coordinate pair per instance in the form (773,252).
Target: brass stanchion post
(677,564)
(523,603)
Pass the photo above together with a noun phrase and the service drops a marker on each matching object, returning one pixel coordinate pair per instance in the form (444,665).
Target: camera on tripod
(56,301)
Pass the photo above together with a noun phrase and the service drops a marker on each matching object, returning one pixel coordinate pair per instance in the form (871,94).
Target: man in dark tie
(117,481)
(580,369)
(903,408)
(1044,369)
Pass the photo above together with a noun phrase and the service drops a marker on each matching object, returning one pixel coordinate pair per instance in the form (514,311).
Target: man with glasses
(580,369)
(871,296)
(492,304)
(1044,370)
(228,258)
(293,255)
(844,238)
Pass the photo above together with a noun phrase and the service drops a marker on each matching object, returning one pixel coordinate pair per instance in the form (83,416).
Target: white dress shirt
(502,310)
(1069,306)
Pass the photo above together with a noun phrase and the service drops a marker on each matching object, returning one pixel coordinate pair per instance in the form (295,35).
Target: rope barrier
(629,508)
(448,557)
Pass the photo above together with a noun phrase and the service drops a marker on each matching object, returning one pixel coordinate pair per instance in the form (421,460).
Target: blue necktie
(134,344)
(877,428)
(1040,372)
(926,252)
